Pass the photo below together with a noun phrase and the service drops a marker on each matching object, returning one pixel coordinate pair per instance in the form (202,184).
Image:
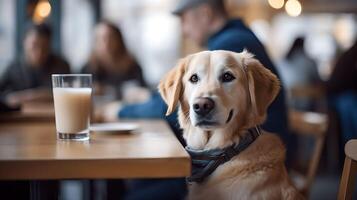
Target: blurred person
(29,77)
(342,92)
(206,23)
(111,64)
(298,69)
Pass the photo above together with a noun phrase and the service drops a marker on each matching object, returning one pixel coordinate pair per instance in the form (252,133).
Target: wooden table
(30,151)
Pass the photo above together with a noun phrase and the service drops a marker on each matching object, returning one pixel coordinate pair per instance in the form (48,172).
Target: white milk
(72,109)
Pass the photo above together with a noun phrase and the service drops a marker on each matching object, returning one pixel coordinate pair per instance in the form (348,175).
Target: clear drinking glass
(72,100)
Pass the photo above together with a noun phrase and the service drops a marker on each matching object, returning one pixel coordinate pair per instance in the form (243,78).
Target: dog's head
(219,89)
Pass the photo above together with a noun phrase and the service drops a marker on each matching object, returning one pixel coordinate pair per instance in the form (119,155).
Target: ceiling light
(293,8)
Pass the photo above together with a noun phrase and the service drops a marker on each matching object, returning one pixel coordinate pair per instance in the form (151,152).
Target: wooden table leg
(44,190)
(348,179)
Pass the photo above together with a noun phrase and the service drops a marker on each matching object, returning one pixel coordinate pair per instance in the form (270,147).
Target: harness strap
(205,162)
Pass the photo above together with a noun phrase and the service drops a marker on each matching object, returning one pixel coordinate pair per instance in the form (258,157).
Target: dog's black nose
(203,105)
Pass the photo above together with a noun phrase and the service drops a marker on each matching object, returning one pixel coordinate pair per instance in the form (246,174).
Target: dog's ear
(263,86)
(170,86)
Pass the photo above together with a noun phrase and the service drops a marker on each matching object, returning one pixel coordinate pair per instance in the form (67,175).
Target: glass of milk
(72,100)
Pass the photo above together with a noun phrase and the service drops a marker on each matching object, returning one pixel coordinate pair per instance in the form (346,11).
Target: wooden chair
(349,171)
(309,124)
(315,93)
(314,125)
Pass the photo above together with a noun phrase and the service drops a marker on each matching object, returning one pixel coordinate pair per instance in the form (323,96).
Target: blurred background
(148,28)
(319,31)
(152,34)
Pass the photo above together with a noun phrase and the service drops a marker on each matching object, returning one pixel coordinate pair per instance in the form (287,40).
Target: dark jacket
(344,75)
(19,75)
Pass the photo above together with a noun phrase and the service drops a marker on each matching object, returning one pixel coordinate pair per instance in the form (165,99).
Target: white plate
(117,127)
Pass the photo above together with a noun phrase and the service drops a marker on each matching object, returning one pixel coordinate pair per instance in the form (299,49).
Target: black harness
(204,162)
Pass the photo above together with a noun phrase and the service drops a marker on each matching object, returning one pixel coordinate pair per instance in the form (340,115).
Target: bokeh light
(43,8)
(42,11)
(293,8)
(277,4)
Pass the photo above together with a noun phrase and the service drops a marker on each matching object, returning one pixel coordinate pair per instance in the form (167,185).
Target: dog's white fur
(256,173)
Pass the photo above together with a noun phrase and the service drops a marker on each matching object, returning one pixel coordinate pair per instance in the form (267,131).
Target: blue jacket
(234,36)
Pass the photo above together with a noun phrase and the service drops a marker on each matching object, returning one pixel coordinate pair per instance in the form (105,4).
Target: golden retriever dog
(223,98)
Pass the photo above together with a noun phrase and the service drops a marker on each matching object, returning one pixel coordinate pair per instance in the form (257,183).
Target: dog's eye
(194,78)
(227,77)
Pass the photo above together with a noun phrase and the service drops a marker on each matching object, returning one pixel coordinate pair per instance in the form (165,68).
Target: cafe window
(7,32)
(77,23)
